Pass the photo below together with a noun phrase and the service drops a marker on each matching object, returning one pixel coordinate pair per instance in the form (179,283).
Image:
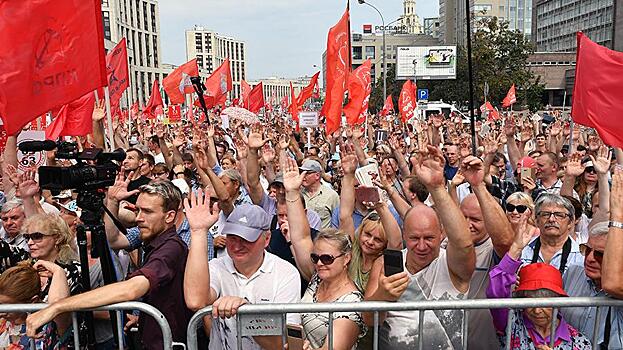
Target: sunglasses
(374,216)
(159,174)
(585,249)
(35,236)
(590,169)
(325,259)
(520,208)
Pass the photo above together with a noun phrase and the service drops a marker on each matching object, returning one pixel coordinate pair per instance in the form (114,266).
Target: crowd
(227,214)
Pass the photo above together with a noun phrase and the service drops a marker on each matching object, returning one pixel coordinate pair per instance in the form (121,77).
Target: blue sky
(284,37)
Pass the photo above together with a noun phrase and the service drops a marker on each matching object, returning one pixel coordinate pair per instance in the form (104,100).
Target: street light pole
(384,48)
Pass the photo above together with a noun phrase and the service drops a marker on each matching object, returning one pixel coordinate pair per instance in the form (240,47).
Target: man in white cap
(319,198)
(247,274)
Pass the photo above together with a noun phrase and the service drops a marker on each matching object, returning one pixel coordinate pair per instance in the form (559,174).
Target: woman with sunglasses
(584,176)
(520,213)
(324,263)
(21,284)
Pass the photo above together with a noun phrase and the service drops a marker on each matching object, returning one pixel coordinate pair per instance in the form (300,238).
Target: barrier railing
(277,325)
(132,305)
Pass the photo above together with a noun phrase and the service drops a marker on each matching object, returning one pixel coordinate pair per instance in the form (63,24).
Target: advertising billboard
(425,62)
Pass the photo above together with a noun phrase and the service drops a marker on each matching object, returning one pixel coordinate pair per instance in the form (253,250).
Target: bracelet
(615,224)
(293,200)
(289,243)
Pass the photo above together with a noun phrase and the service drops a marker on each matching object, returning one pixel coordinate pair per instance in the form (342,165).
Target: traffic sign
(422,94)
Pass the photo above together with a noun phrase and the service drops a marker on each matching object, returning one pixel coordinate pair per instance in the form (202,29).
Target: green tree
(499,57)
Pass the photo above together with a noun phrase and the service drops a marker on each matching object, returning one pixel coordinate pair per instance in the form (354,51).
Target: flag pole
(111,136)
(472,117)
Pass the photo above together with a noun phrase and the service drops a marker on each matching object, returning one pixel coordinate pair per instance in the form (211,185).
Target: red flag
(308,91)
(294,108)
(256,98)
(510,97)
(117,69)
(492,112)
(597,92)
(174,113)
(219,83)
(245,90)
(73,119)
(208,99)
(155,100)
(134,110)
(284,103)
(407,101)
(359,88)
(316,93)
(388,107)
(178,83)
(52,53)
(338,66)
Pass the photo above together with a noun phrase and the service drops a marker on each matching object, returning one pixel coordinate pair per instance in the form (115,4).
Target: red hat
(526,162)
(540,276)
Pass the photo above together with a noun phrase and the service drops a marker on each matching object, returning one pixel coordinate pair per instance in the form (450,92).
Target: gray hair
(599,229)
(538,293)
(165,189)
(554,199)
(10,205)
(233,175)
(341,238)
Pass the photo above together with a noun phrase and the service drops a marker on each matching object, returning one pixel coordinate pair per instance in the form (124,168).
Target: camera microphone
(37,146)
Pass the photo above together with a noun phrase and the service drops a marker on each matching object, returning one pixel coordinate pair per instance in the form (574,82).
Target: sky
(284,38)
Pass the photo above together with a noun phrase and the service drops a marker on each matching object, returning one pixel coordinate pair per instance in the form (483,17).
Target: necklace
(323,295)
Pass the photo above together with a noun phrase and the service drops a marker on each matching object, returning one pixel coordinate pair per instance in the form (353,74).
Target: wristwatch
(616,224)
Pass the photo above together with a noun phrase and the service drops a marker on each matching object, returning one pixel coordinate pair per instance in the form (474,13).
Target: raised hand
(255,139)
(357,132)
(198,212)
(392,287)
(28,187)
(602,161)
(349,159)
(473,170)
(284,142)
(99,112)
(509,127)
(178,140)
(292,180)
(555,129)
(119,190)
(429,167)
(211,131)
(574,165)
(268,154)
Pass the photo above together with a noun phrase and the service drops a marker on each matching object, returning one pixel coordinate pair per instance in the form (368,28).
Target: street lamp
(384,47)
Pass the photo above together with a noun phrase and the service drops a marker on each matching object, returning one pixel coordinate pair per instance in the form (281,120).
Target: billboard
(425,62)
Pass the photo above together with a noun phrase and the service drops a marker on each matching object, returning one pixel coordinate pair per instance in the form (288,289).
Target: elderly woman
(49,239)
(21,284)
(520,213)
(530,328)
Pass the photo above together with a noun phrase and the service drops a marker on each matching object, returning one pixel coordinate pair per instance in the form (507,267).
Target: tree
(499,57)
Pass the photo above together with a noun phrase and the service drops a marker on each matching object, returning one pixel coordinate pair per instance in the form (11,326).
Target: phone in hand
(527,173)
(295,337)
(367,194)
(393,263)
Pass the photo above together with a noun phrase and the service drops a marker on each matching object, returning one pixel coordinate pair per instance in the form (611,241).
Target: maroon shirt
(165,260)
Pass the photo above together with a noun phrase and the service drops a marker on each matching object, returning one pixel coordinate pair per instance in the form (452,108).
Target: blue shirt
(575,257)
(183,231)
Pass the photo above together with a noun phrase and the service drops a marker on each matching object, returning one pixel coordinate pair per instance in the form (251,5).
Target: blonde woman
(520,213)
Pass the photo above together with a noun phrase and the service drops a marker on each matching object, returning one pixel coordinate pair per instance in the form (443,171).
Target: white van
(431,108)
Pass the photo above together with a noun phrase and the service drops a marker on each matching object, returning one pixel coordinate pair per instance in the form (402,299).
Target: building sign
(367,29)
(395,29)
(425,62)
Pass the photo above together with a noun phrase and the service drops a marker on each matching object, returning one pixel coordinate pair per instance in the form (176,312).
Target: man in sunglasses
(248,274)
(585,281)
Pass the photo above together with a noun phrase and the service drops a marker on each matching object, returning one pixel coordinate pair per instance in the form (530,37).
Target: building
(280,87)
(555,23)
(370,46)
(555,71)
(211,49)
(409,19)
(432,27)
(138,21)
(453,24)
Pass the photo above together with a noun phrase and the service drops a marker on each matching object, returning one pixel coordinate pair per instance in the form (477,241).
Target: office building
(211,50)
(555,23)
(432,27)
(137,21)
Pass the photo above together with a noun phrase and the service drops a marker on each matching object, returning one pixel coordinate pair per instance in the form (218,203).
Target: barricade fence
(272,317)
(132,305)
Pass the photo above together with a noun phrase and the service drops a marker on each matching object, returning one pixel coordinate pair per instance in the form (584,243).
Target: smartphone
(527,173)
(392,262)
(367,194)
(295,337)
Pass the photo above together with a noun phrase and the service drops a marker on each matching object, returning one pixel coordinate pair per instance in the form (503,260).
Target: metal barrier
(264,310)
(131,305)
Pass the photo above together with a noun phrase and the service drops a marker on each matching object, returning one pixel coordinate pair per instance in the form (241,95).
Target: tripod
(91,203)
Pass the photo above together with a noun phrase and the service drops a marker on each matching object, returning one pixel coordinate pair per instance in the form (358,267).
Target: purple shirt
(165,260)
(502,278)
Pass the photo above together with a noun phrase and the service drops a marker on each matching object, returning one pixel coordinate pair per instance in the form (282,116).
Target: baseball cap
(526,162)
(311,166)
(540,276)
(181,185)
(278,178)
(247,221)
(64,194)
(72,207)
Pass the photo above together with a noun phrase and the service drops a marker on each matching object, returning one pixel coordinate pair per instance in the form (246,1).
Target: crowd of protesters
(225,214)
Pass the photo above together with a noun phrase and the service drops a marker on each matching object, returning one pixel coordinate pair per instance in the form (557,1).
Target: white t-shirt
(159,158)
(442,328)
(276,281)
